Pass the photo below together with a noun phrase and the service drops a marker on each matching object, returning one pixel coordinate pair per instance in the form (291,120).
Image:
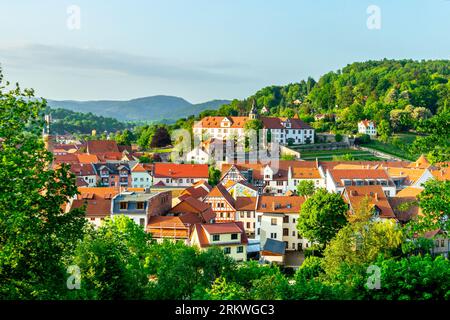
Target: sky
(205,49)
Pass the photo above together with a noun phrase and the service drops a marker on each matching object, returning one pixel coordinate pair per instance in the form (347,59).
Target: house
(141,175)
(219,128)
(405,204)
(176,228)
(246,213)
(276,218)
(84,172)
(287,130)
(441,242)
(408,177)
(273,251)
(179,175)
(198,190)
(97,201)
(367,127)
(222,203)
(337,180)
(113,174)
(140,206)
(188,204)
(281,130)
(101,146)
(354,195)
(275,178)
(240,189)
(230,237)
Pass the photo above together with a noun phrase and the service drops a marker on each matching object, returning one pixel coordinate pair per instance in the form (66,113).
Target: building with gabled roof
(113,174)
(101,146)
(222,203)
(354,195)
(189,204)
(367,127)
(176,228)
(229,236)
(198,190)
(179,175)
(142,175)
(337,180)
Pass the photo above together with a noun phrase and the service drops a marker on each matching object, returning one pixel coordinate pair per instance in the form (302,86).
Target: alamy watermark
(74,280)
(374,19)
(73,21)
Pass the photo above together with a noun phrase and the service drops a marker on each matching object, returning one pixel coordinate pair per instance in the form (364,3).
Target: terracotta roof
(66,158)
(101,146)
(215,122)
(305,173)
(405,204)
(80,182)
(355,194)
(87,158)
(246,203)
(219,191)
(80,169)
(102,192)
(193,205)
(173,170)
(219,228)
(367,123)
(411,175)
(111,156)
(422,162)
(142,167)
(199,190)
(441,174)
(95,207)
(172,226)
(280,204)
(354,174)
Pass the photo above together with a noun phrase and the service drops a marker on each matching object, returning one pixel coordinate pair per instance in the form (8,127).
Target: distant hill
(154,108)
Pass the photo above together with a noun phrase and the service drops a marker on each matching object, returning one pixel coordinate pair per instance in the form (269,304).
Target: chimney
(273,205)
(353,192)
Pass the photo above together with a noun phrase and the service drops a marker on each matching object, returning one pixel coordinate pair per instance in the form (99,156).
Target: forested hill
(66,121)
(155,108)
(360,90)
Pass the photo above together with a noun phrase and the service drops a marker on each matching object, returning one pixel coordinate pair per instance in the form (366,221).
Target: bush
(338,137)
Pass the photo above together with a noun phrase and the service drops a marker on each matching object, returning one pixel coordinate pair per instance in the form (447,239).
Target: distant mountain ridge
(153,108)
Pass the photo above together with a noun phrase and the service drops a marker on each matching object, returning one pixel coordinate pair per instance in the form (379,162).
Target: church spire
(254,111)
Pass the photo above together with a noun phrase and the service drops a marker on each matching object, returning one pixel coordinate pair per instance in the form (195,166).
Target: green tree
(214,175)
(434,201)
(112,261)
(321,216)
(161,138)
(305,188)
(224,290)
(36,235)
(125,138)
(384,130)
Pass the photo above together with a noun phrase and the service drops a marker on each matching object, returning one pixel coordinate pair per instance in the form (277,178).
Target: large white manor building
(280,130)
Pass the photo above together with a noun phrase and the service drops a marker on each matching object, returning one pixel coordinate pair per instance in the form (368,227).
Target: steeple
(254,112)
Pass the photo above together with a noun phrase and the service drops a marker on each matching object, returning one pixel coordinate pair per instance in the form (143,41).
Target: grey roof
(132,198)
(112,167)
(275,246)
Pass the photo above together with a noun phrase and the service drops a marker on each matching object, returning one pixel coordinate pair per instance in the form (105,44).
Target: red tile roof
(101,146)
(219,191)
(280,204)
(94,208)
(376,196)
(173,170)
(214,122)
(355,174)
(219,228)
(246,203)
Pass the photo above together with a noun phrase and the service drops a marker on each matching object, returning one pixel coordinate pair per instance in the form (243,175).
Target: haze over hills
(154,108)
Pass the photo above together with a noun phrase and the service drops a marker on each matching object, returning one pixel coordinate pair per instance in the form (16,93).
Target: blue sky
(205,49)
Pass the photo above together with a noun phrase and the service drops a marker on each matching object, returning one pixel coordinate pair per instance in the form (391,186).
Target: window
(273,235)
(240,249)
(286,219)
(140,205)
(279,191)
(249,214)
(259,219)
(142,222)
(216,237)
(279,183)
(248,225)
(442,243)
(285,232)
(241,215)
(234,236)
(227,250)
(293,246)
(273,221)
(123,205)
(92,219)
(293,233)
(259,231)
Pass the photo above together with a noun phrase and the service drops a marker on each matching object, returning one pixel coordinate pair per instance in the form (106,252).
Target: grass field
(327,155)
(401,152)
